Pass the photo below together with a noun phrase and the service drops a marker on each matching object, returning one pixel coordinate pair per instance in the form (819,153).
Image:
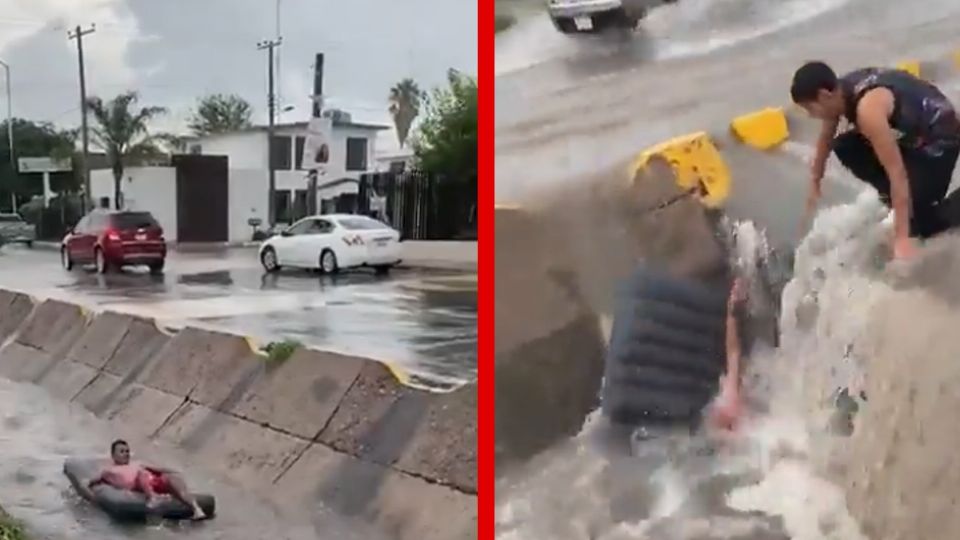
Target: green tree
(121,131)
(31,139)
(219,113)
(446,143)
(405,100)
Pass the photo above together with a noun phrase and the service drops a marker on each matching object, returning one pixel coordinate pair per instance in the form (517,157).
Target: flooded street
(421,319)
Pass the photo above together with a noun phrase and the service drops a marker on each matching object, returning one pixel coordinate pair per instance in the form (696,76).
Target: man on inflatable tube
(904,141)
(151,481)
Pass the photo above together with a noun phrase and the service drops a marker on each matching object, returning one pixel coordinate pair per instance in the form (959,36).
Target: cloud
(105,51)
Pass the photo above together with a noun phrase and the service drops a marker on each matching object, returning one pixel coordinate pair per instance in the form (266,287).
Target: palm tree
(405,98)
(121,132)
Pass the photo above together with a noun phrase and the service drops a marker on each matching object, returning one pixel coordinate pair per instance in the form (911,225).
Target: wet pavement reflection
(421,319)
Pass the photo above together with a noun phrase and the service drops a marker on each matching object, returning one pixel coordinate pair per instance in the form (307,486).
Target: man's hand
(725,411)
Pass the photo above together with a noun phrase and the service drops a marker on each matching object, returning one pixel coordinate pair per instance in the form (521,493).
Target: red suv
(111,239)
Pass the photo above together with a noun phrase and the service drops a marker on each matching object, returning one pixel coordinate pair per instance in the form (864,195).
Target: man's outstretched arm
(873,115)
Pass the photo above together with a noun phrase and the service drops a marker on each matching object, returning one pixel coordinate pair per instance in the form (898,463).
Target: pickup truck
(590,16)
(13,229)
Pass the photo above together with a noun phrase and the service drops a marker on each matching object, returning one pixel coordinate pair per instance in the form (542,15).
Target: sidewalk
(416,254)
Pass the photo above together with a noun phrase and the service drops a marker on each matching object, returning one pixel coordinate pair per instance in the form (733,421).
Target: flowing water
(37,432)
(849,319)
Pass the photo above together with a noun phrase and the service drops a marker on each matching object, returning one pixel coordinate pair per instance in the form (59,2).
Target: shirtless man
(151,481)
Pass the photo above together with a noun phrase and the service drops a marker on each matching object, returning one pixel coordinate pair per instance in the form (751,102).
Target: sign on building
(316,149)
(44,166)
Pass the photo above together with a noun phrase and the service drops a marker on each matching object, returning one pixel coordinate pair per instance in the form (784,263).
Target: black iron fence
(421,206)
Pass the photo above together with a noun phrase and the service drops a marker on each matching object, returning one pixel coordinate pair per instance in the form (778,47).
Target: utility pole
(13,163)
(78,34)
(279,71)
(270,46)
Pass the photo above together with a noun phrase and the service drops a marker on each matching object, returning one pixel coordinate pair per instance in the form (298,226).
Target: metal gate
(202,198)
(421,206)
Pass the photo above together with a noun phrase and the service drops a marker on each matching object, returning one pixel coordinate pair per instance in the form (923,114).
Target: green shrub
(278,351)
(10,529)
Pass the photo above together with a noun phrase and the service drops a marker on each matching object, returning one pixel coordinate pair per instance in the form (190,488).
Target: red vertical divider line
(485,202)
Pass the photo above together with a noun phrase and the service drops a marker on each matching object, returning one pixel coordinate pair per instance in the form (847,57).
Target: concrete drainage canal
(316,445)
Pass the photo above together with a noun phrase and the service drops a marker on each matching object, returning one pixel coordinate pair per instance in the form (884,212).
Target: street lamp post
(13,166)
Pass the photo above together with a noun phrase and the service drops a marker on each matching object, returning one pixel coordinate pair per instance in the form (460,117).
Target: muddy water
(850,319)
(37,433)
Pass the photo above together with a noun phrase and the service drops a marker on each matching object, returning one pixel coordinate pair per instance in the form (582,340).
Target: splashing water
(789,473)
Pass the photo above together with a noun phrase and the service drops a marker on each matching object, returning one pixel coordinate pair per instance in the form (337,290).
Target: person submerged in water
(726,409)
(149,480)
(904,141)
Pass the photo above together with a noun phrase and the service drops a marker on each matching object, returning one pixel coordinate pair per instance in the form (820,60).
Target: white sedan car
(332,242)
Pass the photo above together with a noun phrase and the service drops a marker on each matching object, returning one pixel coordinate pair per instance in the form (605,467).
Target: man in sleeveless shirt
(904,139)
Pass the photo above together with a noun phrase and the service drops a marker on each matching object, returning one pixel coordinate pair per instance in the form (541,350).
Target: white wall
(245,150)
(152,189)
(248,198)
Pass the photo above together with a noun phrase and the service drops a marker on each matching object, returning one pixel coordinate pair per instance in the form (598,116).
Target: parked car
(112,239)
(580,16)
(14,229)
(333,242)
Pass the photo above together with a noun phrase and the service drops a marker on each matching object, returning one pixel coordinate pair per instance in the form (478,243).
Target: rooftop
(298,126)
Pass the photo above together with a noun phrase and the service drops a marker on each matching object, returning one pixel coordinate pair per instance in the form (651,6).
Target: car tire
(269,261)
(666,351)
(382,269)
(29,244)
(328,262)
(66,260)
(157,268)
(103,266)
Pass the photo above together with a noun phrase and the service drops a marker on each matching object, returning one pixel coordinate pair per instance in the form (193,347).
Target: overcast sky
(173,51)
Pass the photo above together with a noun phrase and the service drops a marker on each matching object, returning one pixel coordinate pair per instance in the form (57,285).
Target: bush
(280,351)
(11,529)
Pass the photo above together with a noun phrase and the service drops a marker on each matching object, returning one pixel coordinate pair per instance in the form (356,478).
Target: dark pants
(929,179)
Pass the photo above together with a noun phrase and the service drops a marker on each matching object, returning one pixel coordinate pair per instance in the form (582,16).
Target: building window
(301,141)
(299,203)
(356,154)
(282,206)
(398,167)
(280,153)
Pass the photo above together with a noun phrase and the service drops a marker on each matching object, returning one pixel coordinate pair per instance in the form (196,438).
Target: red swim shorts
(157,482)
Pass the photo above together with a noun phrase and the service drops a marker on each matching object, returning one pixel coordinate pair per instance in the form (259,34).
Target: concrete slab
(248,453)
(141,342)
(225,378)
(191,356)
(100,340)
(444,443)
(53,326)
(300,395)
(67,379)
(384,422)
(139,410)
(404,507)
(22,363)
(14,310)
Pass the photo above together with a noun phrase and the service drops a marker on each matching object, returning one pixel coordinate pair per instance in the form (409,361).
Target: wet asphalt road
(421,319)
(567,106)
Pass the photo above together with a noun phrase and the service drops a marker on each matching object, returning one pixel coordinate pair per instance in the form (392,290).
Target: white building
(245,187)
(353,151)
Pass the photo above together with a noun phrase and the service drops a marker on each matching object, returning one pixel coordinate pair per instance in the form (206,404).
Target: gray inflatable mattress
(125,505)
